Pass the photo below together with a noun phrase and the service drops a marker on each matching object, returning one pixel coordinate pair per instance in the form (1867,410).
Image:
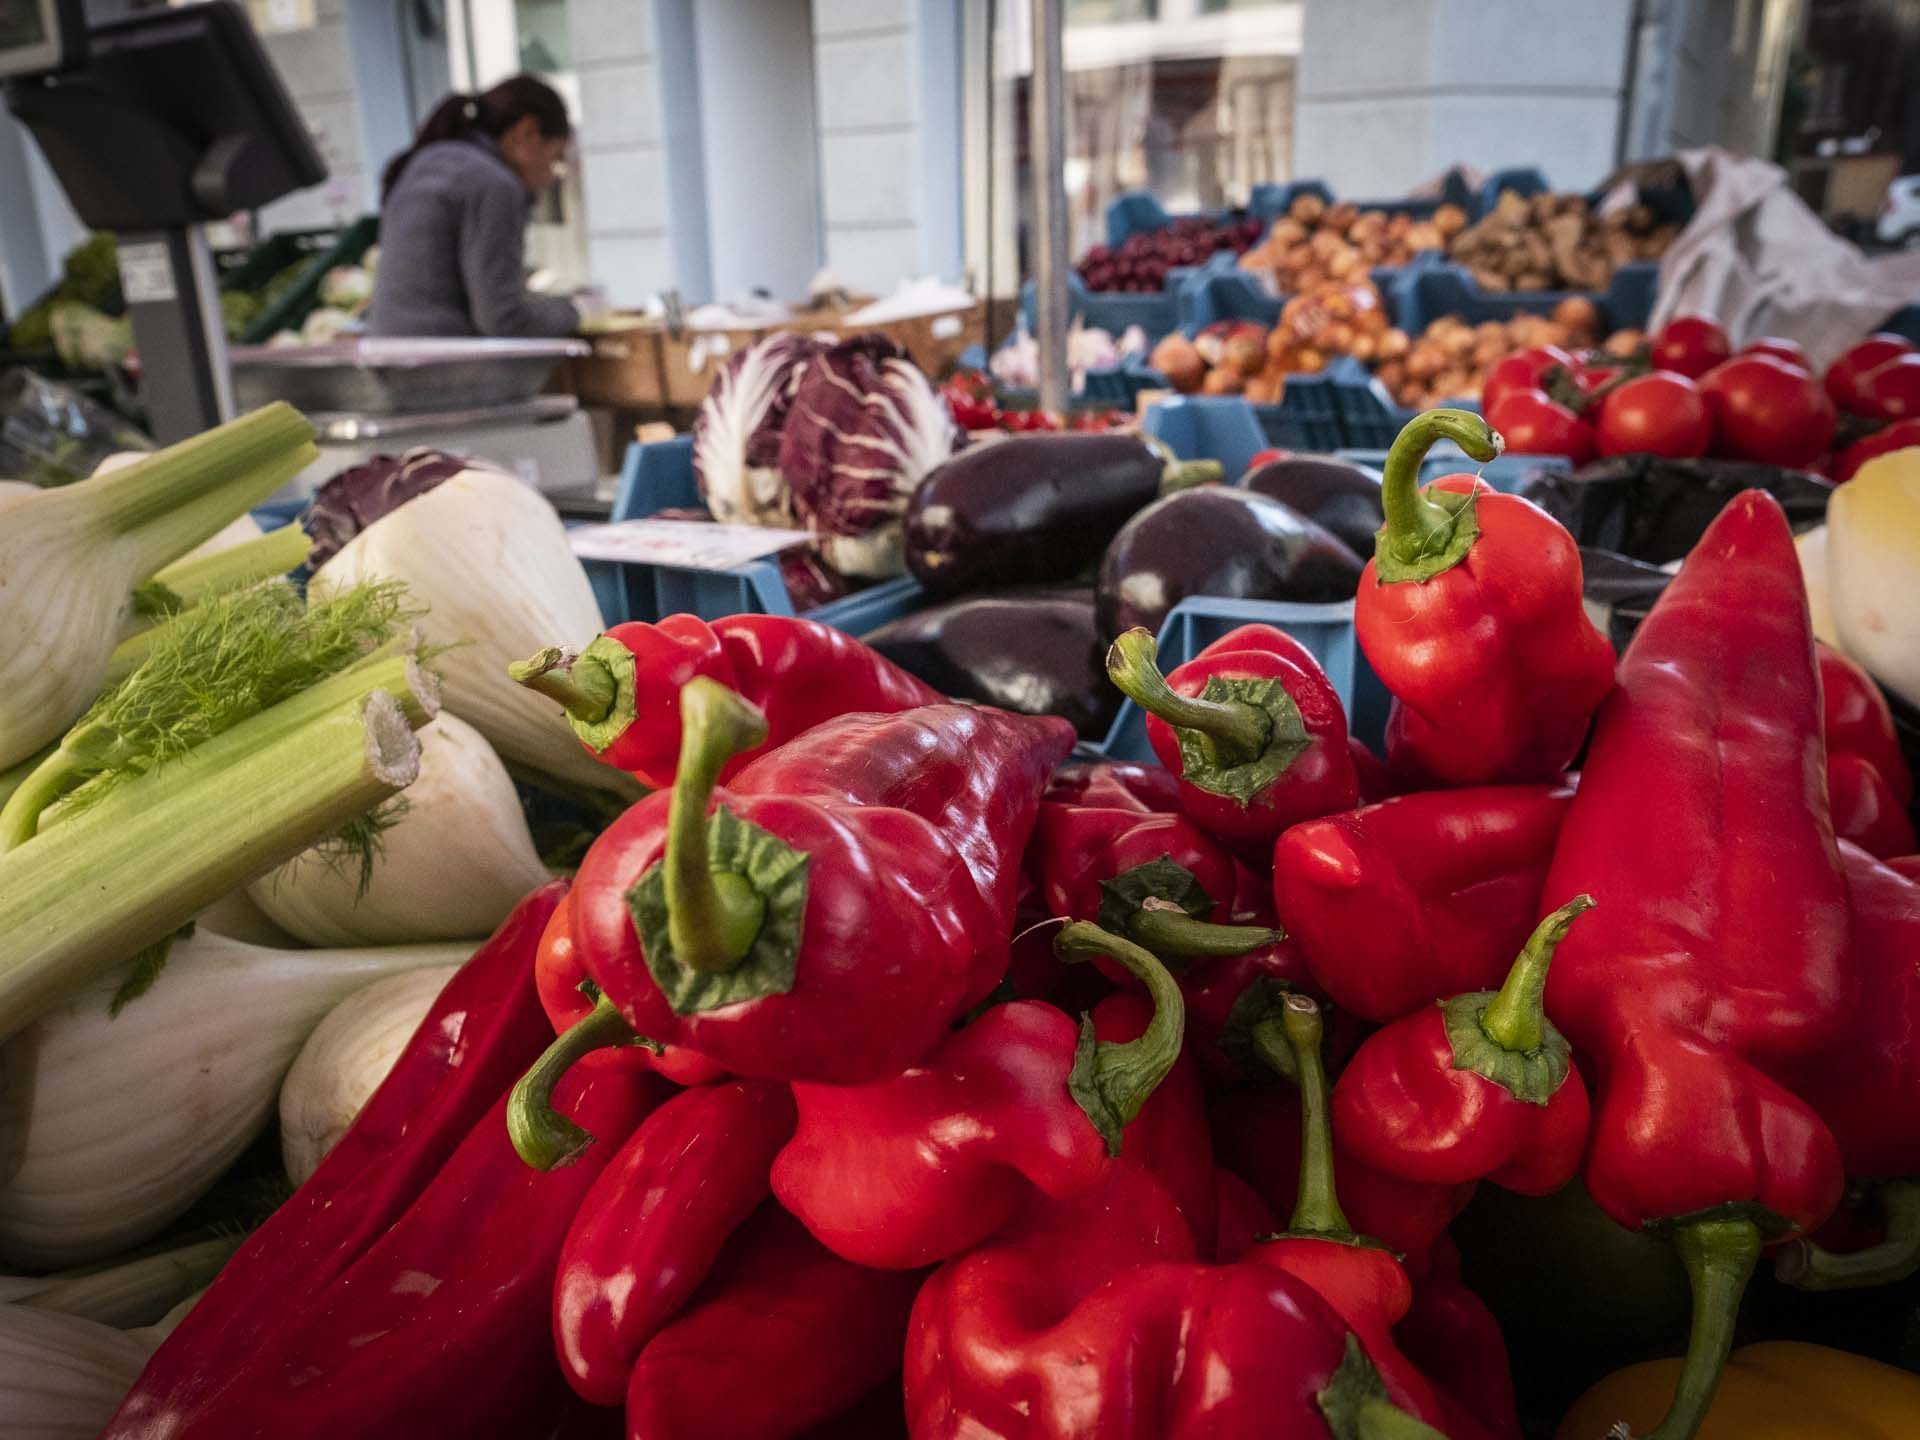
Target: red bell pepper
(1250,725)
(784,1335)
(1869,783)
(1907,865)
(1398,904)
(440,1326)
(850,896)
(477,1037)
(1714,966)
(1470,613)
(1091,1317)
(656,1220)
(1226,996)
(622,693)
(568,997)
(1156,879)
(1479,1087)
(1452,1335)
(925,1165)
(1241,1218)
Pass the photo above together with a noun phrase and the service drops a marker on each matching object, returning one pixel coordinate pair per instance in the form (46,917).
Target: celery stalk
(148,858)
(188,582)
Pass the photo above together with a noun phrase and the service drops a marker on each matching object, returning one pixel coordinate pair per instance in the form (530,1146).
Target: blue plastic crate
(659,477)
(1508,474)
(1523,180)
(1236,294)
(1424,294)
(1325,630)
(1208,427)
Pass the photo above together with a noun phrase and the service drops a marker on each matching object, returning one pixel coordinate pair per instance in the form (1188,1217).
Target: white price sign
(689,544)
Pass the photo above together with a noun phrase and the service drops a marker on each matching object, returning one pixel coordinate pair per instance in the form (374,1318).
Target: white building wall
(316,65)
(622,171)
(864,60)
(1393,92)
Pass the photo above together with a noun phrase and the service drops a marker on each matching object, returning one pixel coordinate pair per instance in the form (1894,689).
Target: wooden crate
(623,371)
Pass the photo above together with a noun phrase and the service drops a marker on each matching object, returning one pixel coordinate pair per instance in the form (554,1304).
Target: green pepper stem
(1269,1040)
(545,1138)
(583,686)
(1719,1255)
(1807,1266)
(1111,1080)
(1317,1211)
(1516,1017)
(1173,932)
(712,916)
(1415,525)
(1380,1419)
(1238,730)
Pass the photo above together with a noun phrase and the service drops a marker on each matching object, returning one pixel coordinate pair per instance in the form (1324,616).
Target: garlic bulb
(344,1061)
(455,862)
(489,559)
(111,1125)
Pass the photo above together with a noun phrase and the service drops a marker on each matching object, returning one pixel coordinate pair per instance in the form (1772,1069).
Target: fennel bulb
(61,1376)
(454,862)
(1873,569)
(1811,546)
(133,1292)
(489,559)
(112,1125)
(346,1058)
(69,559)
(238,918)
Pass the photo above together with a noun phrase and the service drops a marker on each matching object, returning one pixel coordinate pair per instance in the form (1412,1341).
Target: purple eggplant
(1335,494)
(1034,651)
(1033,509)
(1218,541)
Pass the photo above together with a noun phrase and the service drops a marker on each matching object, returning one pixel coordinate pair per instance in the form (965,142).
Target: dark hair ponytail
(492,113)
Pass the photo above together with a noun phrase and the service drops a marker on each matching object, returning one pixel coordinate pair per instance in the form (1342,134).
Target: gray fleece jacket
(453,242)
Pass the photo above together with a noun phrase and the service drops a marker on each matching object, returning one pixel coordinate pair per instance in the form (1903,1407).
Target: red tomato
(1521,370)
(1847,376)
(1591,377)
(1901,435)
(1534,424)
(1266,457)
(1893,390)
(1780,349)
(1765,409)
(1690,345)
(1658,414)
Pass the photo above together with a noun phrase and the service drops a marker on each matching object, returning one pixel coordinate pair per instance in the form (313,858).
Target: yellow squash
(1780,1390)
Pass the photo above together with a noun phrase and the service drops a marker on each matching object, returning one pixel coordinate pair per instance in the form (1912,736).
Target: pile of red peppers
(886,1071)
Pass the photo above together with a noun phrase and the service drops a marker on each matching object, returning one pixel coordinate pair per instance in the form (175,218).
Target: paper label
(945,327)
(146,275)
(687,544)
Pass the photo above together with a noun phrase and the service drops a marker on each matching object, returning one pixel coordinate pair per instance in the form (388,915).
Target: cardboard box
(623,371)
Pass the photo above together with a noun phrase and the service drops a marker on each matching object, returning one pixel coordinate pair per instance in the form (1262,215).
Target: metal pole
(1048,127)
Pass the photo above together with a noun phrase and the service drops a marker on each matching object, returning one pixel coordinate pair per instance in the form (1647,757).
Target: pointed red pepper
(849,896)
(1115,785)
(656,1220)
(1714,966)
(918,1168)
(621,694)
(1471,614)
(1868,780)
(1479,1087)
(1398,904)
(1250,725)
(482,1031)
(783,1336)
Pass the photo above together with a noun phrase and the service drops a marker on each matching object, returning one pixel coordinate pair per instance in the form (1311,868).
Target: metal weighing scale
(380,396)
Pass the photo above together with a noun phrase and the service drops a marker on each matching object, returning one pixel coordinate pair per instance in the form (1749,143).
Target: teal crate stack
(658,477)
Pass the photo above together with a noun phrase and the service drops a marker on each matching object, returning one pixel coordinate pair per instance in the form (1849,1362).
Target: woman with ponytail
(453,218)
